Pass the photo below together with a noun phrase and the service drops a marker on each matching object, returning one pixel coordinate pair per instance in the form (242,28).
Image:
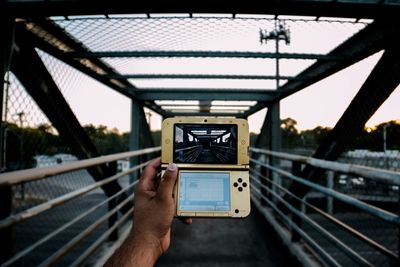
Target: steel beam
(381,82)
(146,139)
(201,76)
(6,47)
(264,135)
(257,107)
(366,42)
(134,138)
(270,134)
(6,44)
(196,54)
(205,114)
(205,94)
(32,73)
(354,9)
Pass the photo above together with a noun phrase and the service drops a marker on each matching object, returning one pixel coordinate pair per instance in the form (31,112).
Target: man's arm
(154,210)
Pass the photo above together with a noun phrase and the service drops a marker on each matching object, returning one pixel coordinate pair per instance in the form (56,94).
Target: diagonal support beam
(32,73)
(382,81)
(265,133)
(366,42)
(57,42)
(6,192)
(146,139)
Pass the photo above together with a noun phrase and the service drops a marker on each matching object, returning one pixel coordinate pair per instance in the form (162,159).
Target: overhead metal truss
(201,76)
(331,8)
(58,42)
(205,94)
(210,54)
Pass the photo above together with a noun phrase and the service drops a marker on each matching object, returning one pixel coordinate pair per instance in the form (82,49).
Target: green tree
(290,134)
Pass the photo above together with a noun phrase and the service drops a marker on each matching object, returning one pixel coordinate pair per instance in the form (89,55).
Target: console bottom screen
(204,191)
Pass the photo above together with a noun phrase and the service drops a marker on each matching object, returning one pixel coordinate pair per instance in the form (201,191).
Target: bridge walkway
(226,242)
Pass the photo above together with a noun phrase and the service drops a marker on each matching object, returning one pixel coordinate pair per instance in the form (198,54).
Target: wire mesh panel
(31,141)
(209,45)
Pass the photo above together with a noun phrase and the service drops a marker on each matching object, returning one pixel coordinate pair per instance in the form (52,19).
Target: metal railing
(330,235)
(120,202)
(339,236)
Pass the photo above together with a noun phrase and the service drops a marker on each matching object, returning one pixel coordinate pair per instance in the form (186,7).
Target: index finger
(147,180)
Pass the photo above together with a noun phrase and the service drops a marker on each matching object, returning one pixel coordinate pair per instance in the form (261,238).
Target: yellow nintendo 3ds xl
(213,161)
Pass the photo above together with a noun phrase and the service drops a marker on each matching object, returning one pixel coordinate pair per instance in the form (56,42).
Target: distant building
(122,165)
(46,160)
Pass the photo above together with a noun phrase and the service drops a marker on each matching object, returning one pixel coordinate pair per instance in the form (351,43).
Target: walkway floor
(225,242)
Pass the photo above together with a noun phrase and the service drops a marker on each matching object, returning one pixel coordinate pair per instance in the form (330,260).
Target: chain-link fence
(31,141)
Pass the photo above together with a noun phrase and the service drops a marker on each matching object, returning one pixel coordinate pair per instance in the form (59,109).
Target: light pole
(384,138)
(21,147)
(279,33)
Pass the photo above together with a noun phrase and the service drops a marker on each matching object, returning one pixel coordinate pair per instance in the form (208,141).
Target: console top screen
(205,143)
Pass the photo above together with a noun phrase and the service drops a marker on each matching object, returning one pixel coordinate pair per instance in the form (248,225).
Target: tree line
(22,144)
(370,138)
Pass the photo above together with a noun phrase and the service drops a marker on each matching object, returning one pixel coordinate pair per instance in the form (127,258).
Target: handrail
(367,172)
(46,238)
(33,174)
(74,241)
(380,213)
(331,261)
(29,213)
(331,218)
(343,247)
(100,240)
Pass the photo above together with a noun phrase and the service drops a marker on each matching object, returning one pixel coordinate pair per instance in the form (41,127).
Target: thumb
(166,187)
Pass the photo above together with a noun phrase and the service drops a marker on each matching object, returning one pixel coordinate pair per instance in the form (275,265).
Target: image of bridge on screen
(205,143)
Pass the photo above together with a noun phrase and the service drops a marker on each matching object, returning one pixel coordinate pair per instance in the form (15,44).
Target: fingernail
(172,167)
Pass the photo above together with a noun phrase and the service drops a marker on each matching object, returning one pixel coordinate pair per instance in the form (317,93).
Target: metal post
(263,172)
(134,137)
(329,199)
(384,138)
(276,139)
(6,44)
(296,170)
(112,168)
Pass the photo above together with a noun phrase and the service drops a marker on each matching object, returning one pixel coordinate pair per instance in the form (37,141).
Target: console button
(240,180)
(240,189)
(235,184)
(236,211)
(244,184)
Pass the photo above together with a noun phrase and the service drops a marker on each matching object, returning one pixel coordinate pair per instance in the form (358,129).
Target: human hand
(152,218)
(155,207)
